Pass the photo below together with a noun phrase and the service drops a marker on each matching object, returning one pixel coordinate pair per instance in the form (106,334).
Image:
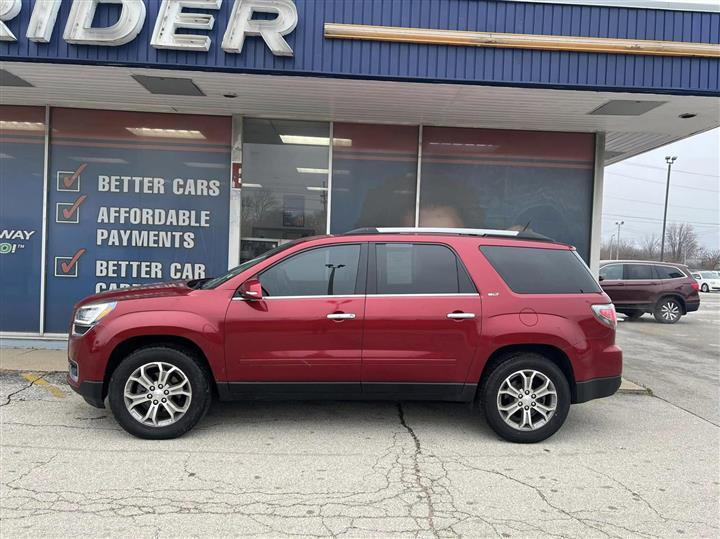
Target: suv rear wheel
(668,311)
(159,393)
(526,398)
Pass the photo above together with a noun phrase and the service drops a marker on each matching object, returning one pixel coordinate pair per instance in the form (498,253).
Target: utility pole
(669,160)
(617,251)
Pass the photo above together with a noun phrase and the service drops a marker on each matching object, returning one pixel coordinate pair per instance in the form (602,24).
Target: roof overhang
(635,129)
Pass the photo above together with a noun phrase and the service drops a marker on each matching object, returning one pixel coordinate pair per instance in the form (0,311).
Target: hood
(157,290)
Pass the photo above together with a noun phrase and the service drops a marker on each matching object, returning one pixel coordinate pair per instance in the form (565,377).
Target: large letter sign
(241,24)
(79,28)
(9,9)
(171,17)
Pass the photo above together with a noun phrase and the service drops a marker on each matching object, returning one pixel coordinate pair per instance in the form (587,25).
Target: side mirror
(601,278)
(251,289)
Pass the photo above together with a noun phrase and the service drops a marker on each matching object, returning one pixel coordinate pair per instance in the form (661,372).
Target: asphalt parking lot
(632,465)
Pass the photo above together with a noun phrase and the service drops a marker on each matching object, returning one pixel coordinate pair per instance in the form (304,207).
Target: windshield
(237,270)
(709,274)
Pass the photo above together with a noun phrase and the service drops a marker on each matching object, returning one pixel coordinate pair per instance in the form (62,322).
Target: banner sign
(22,148)
(137,198)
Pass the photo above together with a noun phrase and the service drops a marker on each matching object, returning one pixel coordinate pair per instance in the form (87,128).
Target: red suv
(509,320)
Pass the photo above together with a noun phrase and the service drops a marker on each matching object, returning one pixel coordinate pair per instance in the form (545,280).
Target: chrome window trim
(339,296)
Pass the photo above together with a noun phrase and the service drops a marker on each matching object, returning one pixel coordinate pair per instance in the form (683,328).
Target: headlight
(89,315)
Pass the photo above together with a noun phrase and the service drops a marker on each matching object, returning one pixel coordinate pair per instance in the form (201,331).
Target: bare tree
(710,259)
(650,247)
(681,242)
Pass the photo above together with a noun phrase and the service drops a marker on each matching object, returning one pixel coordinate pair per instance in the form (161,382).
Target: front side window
(668,272)
(613,272)
(407,268)
(638,272)
(325,271)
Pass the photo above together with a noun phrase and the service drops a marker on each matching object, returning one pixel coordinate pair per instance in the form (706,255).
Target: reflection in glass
(374,176)
(483,178)
(285,182)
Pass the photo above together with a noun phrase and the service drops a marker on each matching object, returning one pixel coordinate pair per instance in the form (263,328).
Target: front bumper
(89,390)
(596,388)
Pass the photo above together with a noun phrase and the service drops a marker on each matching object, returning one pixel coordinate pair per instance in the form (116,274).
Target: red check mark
(68,181)
(67,267)
(68,212)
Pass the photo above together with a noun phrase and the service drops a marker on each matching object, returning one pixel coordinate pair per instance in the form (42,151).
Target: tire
(705,288)
(668,311)
(508,370)
(183,375)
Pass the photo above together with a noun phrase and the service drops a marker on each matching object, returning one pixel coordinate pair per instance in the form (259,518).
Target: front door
(306,329)
(422,322)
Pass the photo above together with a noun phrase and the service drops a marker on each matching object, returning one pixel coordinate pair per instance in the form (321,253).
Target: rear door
(641,284)
(422,321)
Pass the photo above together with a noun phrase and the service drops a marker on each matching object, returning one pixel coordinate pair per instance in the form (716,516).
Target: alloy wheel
(157,394)
(527,400)
(670,311)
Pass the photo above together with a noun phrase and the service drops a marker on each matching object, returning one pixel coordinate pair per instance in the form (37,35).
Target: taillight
(605,314)
(695,285)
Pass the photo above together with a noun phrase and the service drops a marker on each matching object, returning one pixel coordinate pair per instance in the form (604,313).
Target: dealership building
(149,140)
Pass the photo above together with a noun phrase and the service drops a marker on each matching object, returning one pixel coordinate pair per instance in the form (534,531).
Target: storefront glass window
(483,178)
(284,184)
(374,176)
(133,198)
(22,150)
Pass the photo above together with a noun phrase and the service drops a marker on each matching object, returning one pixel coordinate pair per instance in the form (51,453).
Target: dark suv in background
(666,290)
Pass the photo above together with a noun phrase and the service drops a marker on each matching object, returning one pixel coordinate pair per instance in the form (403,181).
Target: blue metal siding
(315,55)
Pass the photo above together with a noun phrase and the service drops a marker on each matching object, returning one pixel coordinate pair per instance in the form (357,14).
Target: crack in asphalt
(24,388)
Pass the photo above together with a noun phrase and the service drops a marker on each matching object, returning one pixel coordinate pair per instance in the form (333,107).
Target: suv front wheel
(159,393)
(526,398)
(668,311)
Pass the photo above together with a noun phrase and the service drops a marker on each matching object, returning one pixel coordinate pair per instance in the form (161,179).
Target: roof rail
(519,234)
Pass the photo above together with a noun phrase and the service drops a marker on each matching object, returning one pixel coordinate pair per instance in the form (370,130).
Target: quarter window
(325,271)
(638,272)
(668,272)
(408,268)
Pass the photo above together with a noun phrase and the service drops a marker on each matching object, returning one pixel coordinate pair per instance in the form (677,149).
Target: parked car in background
(708,280)
(508,320)
(667,291)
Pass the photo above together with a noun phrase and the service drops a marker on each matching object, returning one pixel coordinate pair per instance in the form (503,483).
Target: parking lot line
(37,379)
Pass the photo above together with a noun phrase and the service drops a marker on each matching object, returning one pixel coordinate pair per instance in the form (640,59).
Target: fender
(549,329)
(201,331)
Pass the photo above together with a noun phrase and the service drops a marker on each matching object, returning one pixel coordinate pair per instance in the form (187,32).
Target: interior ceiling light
(165,133)
(314,188)
(626,107)
(303,170)
(105,160)
(314,141)
(253,185)
(13,125)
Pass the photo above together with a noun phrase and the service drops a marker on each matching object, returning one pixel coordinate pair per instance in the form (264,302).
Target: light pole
(617,251)
(612,239)
(669,160)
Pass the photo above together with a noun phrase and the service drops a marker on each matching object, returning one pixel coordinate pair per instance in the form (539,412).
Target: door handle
(460,316)
(341,316)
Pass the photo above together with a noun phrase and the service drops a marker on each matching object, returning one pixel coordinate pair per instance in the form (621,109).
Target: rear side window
(528,270)
(638,272)
(416,268)
(668,272)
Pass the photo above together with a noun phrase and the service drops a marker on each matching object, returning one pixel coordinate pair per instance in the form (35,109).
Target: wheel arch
(552,353)
(678,297)
(132,344)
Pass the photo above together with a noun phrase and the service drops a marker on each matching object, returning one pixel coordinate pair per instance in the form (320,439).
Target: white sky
(635,190)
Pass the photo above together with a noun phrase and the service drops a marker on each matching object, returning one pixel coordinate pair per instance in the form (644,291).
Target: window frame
(372,273)
(360,278)
(659,276)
